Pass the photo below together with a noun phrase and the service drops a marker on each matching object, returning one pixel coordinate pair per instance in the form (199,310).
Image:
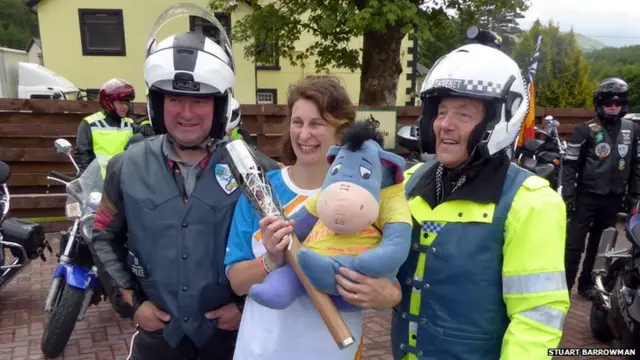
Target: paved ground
(102,335)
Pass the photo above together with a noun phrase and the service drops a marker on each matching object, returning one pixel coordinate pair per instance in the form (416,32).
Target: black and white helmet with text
(483,73)
(189,64)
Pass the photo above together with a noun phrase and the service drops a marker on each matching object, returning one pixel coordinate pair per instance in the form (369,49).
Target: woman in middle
(319,110)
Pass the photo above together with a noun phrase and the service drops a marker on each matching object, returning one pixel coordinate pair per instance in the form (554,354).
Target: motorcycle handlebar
(62,177)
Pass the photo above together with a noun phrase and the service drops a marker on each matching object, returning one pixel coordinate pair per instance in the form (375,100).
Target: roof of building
(33,41)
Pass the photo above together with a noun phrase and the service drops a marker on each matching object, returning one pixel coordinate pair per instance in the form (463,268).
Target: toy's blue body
(364,165)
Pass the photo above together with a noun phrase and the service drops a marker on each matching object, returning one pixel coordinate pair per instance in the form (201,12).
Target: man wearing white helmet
(235,130)
(485,277)
(160,232)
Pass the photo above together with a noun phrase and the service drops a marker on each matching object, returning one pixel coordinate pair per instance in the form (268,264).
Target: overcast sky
(615,23)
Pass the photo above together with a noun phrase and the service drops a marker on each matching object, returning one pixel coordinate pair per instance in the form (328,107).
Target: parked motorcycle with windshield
(615,312)
(25,240)
(545,156)
(75,284)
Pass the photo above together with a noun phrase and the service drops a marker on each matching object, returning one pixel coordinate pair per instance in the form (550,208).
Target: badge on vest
(621,164)
(626,137)
(623,149)
(599,137)
(603,150)
(225,179)
(136,268)
(595,127)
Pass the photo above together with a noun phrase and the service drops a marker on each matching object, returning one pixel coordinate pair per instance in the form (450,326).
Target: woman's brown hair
(332,101)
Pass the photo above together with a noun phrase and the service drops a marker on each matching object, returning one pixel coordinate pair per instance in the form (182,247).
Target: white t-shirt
(298,331)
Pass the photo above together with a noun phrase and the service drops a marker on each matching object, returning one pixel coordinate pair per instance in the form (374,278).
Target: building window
(202,26)
(270,52)
(102,32)
(267,96)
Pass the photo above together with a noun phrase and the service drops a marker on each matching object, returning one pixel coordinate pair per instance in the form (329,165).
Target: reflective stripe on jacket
(107,140)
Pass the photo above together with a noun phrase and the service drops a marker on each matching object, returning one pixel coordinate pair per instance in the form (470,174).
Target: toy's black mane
(359,132)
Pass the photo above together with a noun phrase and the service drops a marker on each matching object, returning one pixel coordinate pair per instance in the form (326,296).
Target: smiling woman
(315,103)
(320,111)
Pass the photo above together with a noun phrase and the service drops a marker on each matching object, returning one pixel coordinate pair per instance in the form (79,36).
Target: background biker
(106,132)
(601,165)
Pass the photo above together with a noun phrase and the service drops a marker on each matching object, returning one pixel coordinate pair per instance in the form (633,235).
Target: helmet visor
(179,10)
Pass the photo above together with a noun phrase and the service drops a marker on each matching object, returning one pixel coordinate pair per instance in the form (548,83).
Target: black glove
(146,130)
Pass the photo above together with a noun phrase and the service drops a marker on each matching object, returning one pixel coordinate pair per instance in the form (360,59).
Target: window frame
(275,65)
(219,16)
(86,51)
(273,92)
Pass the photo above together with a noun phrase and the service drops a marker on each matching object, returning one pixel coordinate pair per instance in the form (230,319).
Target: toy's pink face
(346,208)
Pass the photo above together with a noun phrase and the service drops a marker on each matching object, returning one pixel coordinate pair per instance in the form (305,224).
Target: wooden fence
(28,129)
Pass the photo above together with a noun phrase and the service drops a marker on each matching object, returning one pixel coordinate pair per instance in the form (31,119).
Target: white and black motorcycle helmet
(484,73)
(234,120)
(189,64)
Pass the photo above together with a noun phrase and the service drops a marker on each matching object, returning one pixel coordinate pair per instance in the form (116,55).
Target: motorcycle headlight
(86,226)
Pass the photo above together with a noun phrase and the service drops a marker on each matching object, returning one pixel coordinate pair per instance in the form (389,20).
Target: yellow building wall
(62,50)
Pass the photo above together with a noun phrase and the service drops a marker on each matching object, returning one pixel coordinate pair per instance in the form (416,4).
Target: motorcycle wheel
(599,326)
(598,316)
(62,321)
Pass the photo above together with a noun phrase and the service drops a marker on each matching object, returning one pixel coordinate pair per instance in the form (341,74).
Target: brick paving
(104,336)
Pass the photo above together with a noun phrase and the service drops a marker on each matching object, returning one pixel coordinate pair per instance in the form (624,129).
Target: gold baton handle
(328,311)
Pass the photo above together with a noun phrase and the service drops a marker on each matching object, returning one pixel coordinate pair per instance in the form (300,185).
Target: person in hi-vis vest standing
(106,132)
(485,277)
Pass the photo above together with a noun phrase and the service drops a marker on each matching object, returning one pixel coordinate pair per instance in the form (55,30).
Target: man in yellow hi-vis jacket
(105,133)
(485,278)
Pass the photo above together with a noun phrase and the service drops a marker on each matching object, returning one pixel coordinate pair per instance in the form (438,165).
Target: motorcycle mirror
(531,145)
(63,147)
(5,172)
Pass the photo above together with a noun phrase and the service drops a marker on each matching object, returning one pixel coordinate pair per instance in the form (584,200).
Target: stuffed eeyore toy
(359,220)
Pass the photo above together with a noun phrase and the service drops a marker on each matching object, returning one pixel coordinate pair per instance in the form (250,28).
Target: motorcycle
(24,239)
(545,157)
(75,284)
(615,312)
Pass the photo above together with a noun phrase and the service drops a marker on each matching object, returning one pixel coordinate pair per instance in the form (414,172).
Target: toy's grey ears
(332,153)
(396,162)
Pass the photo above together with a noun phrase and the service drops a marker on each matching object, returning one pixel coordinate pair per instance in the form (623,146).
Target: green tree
(447,30)
(383,24)
(562,78)
(623,62)
(16,24)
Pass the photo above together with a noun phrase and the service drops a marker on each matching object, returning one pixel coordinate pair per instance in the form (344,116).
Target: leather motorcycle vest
(177,247)
(607,160)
